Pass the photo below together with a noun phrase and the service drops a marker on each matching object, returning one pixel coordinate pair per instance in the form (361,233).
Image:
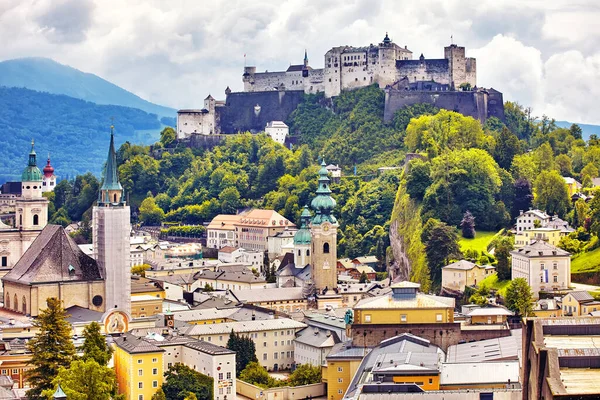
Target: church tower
(111,229)
(323,229)
(31,208)
(49,180)
(302,241)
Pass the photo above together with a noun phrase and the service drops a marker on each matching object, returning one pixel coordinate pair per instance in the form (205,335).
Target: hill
(73,131)
(46,75)
(587,129)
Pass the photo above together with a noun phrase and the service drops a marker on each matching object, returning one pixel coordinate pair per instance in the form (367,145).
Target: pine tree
(51,348)
(244,348)
(95,346)
(363,277)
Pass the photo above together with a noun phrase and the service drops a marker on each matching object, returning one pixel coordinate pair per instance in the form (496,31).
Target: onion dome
(303,236)
(386,39)
(32,173)
(323,204)
(48,169)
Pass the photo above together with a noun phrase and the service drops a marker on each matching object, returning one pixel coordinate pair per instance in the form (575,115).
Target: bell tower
(31,208)
(111,230)
(323,229)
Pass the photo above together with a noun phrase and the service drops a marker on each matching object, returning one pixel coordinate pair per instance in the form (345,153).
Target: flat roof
(581,380)
(572,342)
(503,348)
(244,326)
(478,373)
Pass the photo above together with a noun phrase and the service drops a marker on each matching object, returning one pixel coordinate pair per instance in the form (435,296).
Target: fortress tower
(111,229)
(323,229)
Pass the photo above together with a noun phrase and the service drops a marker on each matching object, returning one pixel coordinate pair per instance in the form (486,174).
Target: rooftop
(462,265)
(478,373)
(540,248)
(503,348)
(419,301)
(135,345)
(269,294)
(244,326)
(316,337)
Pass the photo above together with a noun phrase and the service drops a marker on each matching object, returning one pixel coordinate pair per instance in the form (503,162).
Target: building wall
(146,308)
(527,220)
(488,319)
(306,354)
(278,134)
(525,237)
(324,265)
(219,238)
(249,391)
(457,279)
(532,269)
(195,123)
(15,366)
(425,382)
(339,374)
(13,244)
(27,208)
(413,316)
(129,378)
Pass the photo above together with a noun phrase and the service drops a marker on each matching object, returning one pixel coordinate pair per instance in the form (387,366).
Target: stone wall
(475,104)
(442,335)
(240,112)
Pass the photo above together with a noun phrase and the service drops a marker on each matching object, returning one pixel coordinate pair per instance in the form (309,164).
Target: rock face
(399,269)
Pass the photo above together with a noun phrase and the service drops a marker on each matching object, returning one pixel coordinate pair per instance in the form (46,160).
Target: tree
(519,297)
(507,147)
(502,248)
(94,345)
(564,165)
(480,297)
(168,136)
(159,395)
(305,374)
(576,131)
(363,277)
(523,196)
(230,200)
(417,179)
(467,225)
(244,348)
(441,245)
(181,380)
(150,213)
(551,194)
(85,380)
(51,348)
(255,374)
(140,269)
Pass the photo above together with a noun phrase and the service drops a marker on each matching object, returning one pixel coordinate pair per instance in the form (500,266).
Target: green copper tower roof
(111,179)
(59,394)
(323,203)
(32,173)
(303,235)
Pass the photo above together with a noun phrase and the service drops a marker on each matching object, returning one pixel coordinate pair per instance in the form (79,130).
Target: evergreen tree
(523,196)
(467,225)
(51,348)
(363,277)
(441,245)
(95,346)
(245,351)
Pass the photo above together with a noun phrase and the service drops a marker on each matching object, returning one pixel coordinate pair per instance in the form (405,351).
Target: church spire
(323,203)
(305,58)
(111,190)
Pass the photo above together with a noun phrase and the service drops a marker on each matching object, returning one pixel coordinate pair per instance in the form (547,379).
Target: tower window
(299,252)
(4,261)
(308,252)
(24,305)
(16,305)
(21,220)
(326,248)
(36,219)
(115,198)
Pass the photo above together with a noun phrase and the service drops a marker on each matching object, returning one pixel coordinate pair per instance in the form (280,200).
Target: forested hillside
(73,131)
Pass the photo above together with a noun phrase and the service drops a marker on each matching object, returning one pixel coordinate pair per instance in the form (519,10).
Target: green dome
(303,235)
(323,203)
(32,173)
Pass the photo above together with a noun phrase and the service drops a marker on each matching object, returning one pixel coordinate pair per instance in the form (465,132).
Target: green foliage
(244,349)
(519,120)
(76,132)
(94,345)
(168,136)
(418,178)
(305,374)
(184,230)
(181,380)
(363,277)
(140,269)
(506,148)
(441,245)
(503,245)
(150,213)
(255,374)
(480,297)
(519,297)
(51,348)
(551,193)
(159,395)
(403,116)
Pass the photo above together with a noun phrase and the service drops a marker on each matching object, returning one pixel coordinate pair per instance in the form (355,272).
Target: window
(275,333)
(276,343)
(229,375)
(36,219)
(555,265)
(403,318)
(264,344)
(154,384)
(4,261)
(542,279)
(228,389)
(340,380)
(438,317)
(264,356)
(4,372)
(140,385)
(139,361)
(140,372)
(430,381)
(141,397)
(340,391)
(154,371)
(169,365)
(325,248)
(542,266)
(275,355)
(340,369)
(220,390)
(155,360)
(220,376)
(15,371)
(555,279)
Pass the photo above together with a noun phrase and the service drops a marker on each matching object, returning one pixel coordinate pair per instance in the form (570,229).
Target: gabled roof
(365,260)
(540,248)
(462,265)
(136,345)
(54,257)
(581,296)
(228,249)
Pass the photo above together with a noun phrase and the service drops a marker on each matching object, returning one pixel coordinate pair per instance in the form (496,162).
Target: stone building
(277,130)
(348,67)
(31,216)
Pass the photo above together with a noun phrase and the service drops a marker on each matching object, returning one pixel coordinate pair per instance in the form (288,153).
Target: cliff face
(405,240)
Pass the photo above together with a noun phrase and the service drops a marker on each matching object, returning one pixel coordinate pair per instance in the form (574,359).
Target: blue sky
(544,54)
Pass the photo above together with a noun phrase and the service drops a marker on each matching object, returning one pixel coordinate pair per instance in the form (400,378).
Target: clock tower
(323,229)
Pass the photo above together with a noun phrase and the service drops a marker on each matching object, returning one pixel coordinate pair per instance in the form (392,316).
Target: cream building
(550,235)
(31,216)
(458,275)
(543,266)
(277,130)
(313,344)
(273,338)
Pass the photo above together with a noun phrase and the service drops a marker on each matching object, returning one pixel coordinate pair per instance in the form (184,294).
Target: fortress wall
(265,81)
(238,115)
(495,104)
(356,77)
(426,71)
(473,104)
(189,123)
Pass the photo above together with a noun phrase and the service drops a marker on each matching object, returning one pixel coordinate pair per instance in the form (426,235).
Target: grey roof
(503,348)
(317,337)
(233,274)
(463,265)
(540,248)
(581,296)
(208,348)
(357,288)
(135,345)
(431,63)
(244,326)
(77,314)
(343,351)
(327,319)
(51,258)
(270,294)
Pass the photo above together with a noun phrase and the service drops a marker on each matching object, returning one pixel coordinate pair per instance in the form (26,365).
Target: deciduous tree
(551,194)
(519,297)
(181,380)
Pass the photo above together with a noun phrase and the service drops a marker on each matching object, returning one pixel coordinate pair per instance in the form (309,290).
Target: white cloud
(540,53)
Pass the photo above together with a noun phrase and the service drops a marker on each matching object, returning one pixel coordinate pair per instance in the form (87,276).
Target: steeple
(323,203)
(302,236)
(32,173)
(111,191)
(305,58)
(387,40)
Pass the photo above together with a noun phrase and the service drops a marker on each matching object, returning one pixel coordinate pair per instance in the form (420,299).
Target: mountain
(46,75)
(73,131)
(586,128)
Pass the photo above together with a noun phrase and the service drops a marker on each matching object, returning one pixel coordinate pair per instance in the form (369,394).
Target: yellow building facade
(338,373)
(549,235)
(138,367)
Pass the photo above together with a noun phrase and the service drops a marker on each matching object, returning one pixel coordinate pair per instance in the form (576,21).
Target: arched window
(308,252)
(16,305)
(114,198)
(326,248)
(21,220)
(299,252)
(36,219)
(24,305)
(7,305)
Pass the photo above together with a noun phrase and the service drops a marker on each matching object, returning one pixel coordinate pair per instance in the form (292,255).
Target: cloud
(540,53)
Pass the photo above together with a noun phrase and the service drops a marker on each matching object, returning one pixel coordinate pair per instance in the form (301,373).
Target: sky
(543,54)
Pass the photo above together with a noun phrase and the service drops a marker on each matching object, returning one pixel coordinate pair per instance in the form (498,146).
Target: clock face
(326,227)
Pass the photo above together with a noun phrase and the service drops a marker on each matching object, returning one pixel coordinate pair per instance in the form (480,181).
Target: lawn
(480,242)
(586,262)
(493,283)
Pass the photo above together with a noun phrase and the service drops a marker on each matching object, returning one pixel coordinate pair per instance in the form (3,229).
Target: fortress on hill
(449,83)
